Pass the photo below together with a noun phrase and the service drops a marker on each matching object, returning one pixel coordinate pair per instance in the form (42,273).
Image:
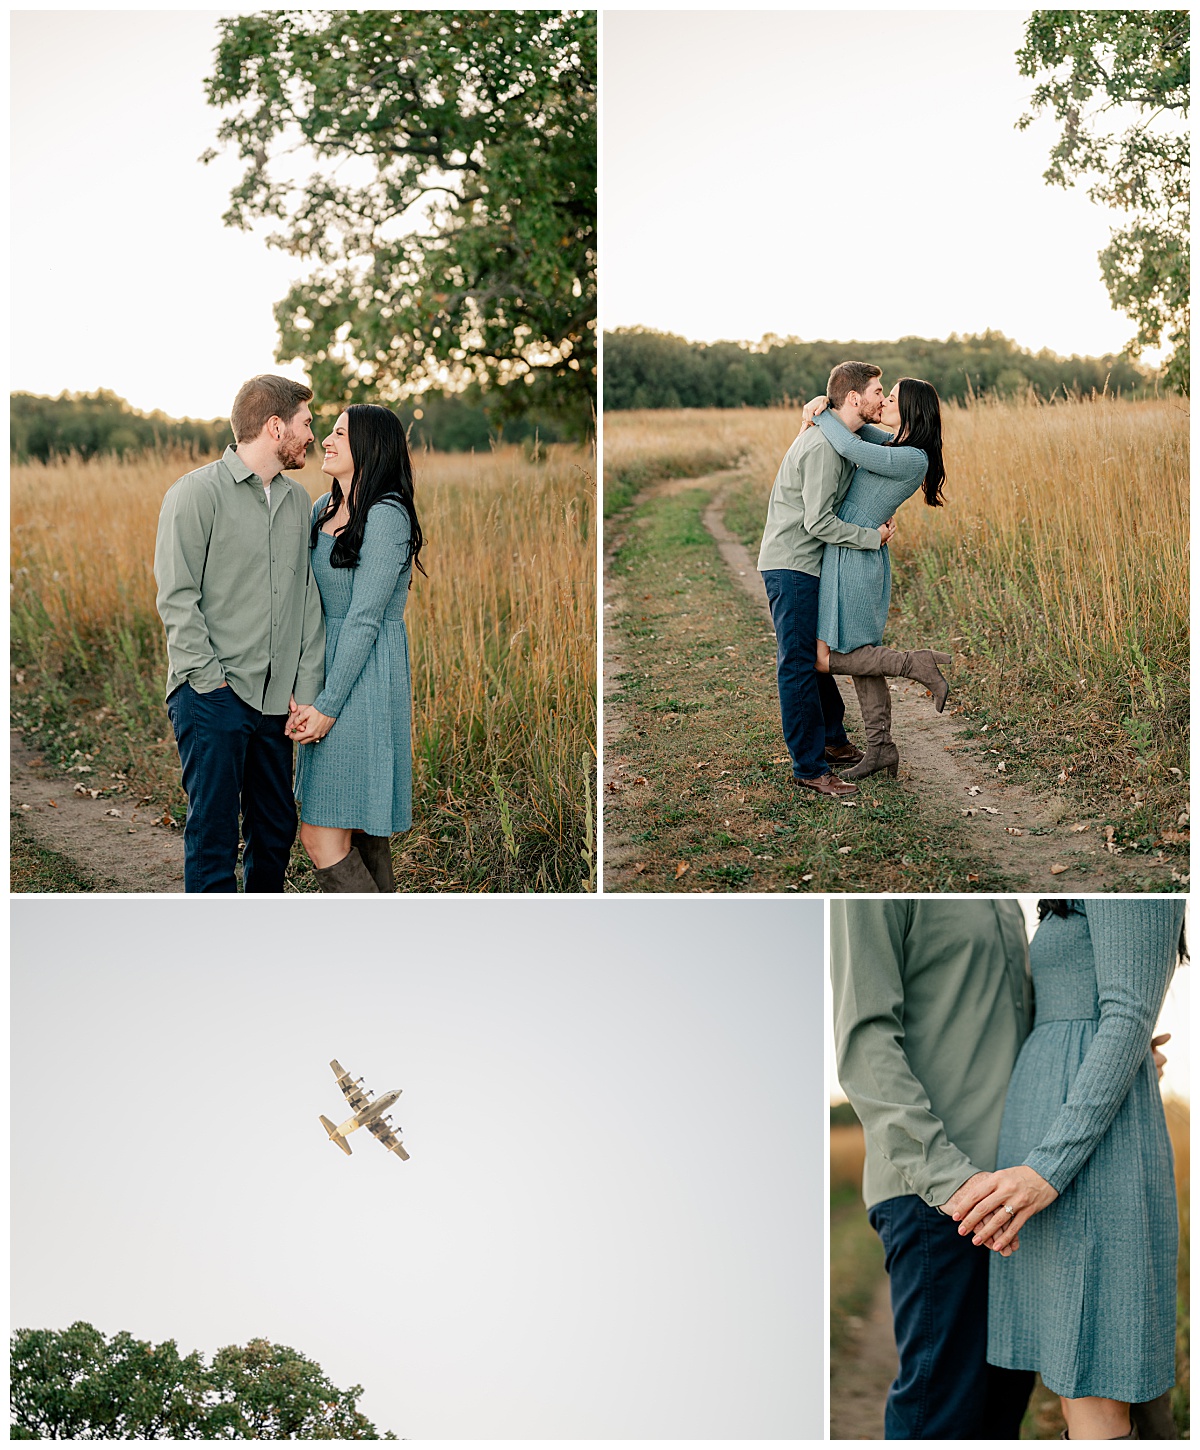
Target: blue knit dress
(856,584)
(1088,1300)
(360,776)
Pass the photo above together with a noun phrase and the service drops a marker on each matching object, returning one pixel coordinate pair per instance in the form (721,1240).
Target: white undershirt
(267,491)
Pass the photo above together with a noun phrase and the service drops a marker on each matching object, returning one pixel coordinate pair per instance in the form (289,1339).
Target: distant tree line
(101,422)
(77,1384)
(645,369)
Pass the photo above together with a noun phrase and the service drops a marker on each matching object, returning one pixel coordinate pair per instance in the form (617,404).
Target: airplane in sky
(367,1114)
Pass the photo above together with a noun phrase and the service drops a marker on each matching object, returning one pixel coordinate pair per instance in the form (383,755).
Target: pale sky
(1175,1018)
(126,277)
(839,175)
(610,1225)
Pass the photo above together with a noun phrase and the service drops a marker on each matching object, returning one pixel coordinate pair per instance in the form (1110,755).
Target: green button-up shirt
(235,588)
(931,1002)
(812,481)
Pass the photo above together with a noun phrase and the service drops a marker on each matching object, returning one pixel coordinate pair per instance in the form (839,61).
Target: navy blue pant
(945,1389)
(236,762)
(809,702)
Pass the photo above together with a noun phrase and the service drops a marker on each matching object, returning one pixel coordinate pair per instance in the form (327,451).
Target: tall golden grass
(502,640)
(1059,563)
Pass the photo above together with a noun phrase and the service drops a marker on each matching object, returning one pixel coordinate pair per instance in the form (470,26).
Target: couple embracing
(285,627)
(1018,1167)
(825,564)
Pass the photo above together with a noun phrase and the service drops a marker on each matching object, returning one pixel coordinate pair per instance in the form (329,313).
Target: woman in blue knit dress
(1089,1299)
(891,463)
(354,772)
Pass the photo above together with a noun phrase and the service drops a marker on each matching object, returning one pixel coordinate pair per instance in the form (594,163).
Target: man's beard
(291,453)
(870,414)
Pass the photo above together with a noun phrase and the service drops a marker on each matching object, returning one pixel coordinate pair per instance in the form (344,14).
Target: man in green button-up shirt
(245,637)
(931,1003)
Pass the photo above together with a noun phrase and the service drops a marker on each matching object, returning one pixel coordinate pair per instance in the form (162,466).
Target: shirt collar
(241,473)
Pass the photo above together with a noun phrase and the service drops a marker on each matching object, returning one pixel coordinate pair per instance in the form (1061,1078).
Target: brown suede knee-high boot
(376,852)
(913,664)
(875,702)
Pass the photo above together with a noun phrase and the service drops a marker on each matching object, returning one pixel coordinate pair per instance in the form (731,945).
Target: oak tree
(447,226)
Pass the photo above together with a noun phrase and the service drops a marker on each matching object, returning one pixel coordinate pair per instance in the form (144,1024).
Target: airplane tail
(335,1136)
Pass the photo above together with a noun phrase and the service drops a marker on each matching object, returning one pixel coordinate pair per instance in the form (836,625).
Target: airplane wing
(389,1140)
(357,1097)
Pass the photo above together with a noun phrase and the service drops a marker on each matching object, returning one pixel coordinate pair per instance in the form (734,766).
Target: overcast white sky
(840,175)
(125,276)
(1176,1019)
(610,1226)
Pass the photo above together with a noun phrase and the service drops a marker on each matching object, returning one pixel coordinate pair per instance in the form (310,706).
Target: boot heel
(894,769)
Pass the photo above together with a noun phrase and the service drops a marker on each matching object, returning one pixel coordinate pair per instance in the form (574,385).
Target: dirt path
(111,840)
(859,1381)
(1018,834)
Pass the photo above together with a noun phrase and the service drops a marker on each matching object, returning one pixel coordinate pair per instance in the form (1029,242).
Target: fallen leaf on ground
(1014,830)
(845,850)
(991,810)
(1057,870)
(680,869)
(974,790)
(809,877)
(1082,826)
(639,868)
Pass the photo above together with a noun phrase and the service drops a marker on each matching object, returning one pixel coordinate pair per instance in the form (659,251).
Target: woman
(1089,1300)
(354,775)
(856,584)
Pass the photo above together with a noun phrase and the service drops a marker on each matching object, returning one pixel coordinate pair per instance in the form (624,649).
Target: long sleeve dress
(856,584)
(360,776)
(1089,1299)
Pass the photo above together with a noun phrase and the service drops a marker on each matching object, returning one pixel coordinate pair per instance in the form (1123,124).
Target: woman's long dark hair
(921,427)
(1057,906)
(382,473)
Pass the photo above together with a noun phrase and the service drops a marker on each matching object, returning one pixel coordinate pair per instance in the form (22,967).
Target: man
(245,637)
(931,1002)
(801,519)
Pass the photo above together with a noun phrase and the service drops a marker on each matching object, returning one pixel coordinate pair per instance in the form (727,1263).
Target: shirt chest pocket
(289,546)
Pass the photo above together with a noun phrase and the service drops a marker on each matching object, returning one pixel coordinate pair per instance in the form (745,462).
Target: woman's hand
(308,725)
(981,1206)
(818,405)
(1160,1058)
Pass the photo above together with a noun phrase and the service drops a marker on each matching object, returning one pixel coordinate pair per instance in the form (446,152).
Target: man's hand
(981,1206)
(887,531)
(308,725)
(1160,1058)
(818,405)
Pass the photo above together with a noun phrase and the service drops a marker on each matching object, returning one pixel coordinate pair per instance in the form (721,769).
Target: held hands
(818,405)
(887,531)
(306,725)
(980,1206)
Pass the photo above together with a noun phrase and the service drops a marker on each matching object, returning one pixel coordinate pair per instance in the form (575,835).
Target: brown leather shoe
(825,785)
(847,754)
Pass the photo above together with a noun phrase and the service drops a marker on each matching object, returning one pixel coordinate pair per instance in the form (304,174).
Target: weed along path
(99,844)
(697,790)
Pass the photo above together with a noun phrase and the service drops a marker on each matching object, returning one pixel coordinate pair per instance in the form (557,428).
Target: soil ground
(697,788)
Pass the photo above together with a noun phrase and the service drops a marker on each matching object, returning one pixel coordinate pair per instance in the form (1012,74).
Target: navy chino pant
(809,702)
(237,762)
(945,1388)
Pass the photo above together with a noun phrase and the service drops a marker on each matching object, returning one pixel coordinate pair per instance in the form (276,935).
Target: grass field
(856,1271)
(1057,574)
(502,637)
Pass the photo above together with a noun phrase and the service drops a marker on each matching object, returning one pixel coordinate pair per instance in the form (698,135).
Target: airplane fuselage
(369,1113)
